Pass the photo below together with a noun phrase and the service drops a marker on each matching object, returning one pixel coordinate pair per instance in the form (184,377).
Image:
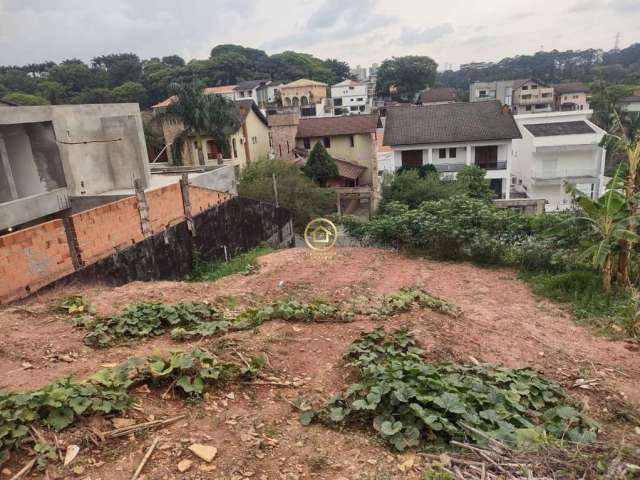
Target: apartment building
(571,97)
(350,97)
(522,96)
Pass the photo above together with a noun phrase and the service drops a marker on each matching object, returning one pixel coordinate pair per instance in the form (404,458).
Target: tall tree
(199,115)
(403,77)
(320,167)
(120,67)
(339,70)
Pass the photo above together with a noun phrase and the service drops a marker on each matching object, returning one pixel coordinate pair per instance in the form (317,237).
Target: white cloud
(417,36)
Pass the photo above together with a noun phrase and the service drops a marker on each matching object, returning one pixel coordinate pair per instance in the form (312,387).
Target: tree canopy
(403,77)
(320,167)
(124,77)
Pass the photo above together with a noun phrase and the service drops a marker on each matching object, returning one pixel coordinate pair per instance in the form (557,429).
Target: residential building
(436,96)
(302,92)
(253,89)
(283,128)
(522,96)
(272,92)
(350,97)
(556,148)
(373,70)
(452,135)
(572,96)
(251,141)
(226,91)
(350,139)
(51,155)
(630,103)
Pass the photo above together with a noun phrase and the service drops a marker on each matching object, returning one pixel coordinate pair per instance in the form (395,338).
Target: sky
(357,31)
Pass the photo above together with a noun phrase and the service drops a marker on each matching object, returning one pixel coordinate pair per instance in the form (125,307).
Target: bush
(302,196)
(320,167)
(411,188)
(25,99)
(472,180)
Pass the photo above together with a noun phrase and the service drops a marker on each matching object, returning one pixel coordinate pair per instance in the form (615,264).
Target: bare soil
(255,427)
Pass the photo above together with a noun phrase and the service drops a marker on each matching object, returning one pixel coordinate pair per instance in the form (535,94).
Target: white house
(555,148)
(453,135)
(350,98)
(630,103)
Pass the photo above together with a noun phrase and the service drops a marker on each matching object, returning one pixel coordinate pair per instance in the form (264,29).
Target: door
(487,157)
(496,186)
(412,158)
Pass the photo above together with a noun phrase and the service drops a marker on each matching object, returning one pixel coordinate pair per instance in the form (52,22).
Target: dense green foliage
(124,77)
(242,263)
(412,186)
(408,401)
(401,78)
(25,99)
(320,166)
(59,403)
(296,191)
(621,66)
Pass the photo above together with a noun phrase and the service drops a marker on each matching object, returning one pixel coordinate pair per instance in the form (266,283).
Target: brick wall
(32,258)
(102,229)
(165,207)
(202,199)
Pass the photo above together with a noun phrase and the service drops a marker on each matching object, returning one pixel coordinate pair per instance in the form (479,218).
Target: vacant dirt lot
(255,427)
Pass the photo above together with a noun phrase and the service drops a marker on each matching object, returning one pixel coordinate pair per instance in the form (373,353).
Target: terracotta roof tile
(329,126)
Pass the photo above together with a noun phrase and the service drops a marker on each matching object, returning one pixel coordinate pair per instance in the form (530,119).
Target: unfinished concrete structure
(50,154)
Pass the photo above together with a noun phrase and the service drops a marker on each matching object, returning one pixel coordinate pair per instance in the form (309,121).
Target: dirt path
(255,429)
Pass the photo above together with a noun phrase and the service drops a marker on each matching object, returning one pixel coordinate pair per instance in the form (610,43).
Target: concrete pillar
(507,193)
(430,156)
(469,160)
(425,156)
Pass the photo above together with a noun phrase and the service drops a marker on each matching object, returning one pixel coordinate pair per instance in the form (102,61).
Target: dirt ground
(254,427)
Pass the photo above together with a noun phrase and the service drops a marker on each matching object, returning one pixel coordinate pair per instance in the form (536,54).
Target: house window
(353,108)
(452,153)
(337,102)
(442,153)
(235,148)
(361,108)
(482,93)
(525,97)
(525,87)
(360,99)
(533,87)
(327,142)
(352,141)
(528,108)
(307,143)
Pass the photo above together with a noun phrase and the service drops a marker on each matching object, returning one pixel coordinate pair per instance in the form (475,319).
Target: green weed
(243,263)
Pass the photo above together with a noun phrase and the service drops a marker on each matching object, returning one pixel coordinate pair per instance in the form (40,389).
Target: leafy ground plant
(59,403)
(408,401)
(72,304)
(243,263)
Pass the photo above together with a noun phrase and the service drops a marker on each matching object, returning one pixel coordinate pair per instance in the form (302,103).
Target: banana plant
(610,220)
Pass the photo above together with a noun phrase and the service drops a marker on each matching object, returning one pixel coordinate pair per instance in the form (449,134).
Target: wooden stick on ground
(121,432)
(26,469)
(145,458)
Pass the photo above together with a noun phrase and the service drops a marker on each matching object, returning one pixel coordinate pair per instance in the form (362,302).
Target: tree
(403,77)
(120,68)
(129,92)
(74,75)
(173,61)
(54,92)
(201,116)
(411,188)
(25,99)
(296,191)
(339,70)
(94,95)
(472,180)
(320,167)
(288,66)
(234,63)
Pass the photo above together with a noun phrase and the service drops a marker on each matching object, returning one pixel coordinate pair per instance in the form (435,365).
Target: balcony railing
(493,165)
(558,174)
(535,99)
(448,167)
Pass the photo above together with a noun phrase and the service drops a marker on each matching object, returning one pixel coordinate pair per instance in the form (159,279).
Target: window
(442,153)
(525,97)
(354,108)
(525,87)
(337,102)
(482,93)
(327,142)
(352,141)
(360,99)
(533,87)
(361,108)
(528,108)
(307,143)
(452,153)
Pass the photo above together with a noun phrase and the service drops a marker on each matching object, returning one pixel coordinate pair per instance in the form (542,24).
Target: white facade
(543,163)
(350,98)
(450,158)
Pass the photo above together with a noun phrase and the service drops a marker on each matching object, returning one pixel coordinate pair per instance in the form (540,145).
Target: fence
(34,257)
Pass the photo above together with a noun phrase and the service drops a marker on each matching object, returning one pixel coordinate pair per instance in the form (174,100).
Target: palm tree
(200,115)
(625,138)
(609,219)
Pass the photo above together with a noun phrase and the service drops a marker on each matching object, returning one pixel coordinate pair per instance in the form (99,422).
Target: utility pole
(616,44)
(275,189)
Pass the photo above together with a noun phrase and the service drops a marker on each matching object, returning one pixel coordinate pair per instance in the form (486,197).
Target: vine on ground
(408,401)
(59,403)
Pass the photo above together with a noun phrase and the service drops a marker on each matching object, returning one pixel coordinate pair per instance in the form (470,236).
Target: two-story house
(452,135)
(253,89)
(302,92)
(522,96)
(556,148)
(350,140)
(350,98)
(572,96)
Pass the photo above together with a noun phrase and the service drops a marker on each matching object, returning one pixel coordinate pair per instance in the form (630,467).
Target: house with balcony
(302,92)
(572,96)
(452,135)
(558,148)
(522,96)
(350,98)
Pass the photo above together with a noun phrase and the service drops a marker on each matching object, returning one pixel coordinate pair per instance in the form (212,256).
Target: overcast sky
(357,31)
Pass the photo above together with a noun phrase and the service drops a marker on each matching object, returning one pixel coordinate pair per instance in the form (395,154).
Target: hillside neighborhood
(469,308)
